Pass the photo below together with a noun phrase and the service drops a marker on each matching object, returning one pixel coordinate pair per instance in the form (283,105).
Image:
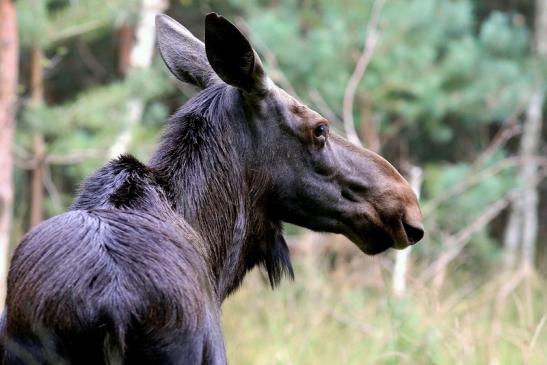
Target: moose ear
(231,55)
(183,53)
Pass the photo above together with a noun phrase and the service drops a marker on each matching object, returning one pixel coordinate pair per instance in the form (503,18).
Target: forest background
(453,92)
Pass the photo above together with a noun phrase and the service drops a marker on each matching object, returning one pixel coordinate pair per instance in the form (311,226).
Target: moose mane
(205,179)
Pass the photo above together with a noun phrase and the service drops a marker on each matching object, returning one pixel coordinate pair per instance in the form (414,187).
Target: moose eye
(322,130)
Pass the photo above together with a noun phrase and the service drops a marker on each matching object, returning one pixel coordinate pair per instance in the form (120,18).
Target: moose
(138,267)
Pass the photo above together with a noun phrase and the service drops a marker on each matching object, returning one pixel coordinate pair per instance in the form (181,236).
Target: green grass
(349,316)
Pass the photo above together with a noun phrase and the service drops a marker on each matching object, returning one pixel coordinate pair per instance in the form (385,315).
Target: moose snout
(414,233)
(408,232)
(411,224)
(410,228)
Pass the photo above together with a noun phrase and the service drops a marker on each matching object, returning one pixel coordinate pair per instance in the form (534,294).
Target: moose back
(136,271)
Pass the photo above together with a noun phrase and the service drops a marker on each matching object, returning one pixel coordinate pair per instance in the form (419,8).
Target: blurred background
(452,92)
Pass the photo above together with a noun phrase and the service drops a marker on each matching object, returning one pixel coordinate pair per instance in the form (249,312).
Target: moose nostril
(413,233)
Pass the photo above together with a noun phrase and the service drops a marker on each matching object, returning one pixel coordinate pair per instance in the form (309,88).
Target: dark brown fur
(135,272)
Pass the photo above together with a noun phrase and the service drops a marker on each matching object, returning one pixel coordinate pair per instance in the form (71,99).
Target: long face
(325,183)
(319,180)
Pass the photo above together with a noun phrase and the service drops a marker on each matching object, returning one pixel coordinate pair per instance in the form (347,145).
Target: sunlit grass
(323,319)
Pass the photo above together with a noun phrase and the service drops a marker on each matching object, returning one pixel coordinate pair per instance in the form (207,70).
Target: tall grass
(327,317)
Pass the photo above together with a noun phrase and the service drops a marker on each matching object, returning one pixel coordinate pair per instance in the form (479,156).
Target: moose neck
(201,162)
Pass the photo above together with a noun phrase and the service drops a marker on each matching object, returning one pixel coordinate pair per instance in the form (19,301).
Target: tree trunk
(369,129)
(36,99)
(521,231)
(529,175)
(140,58)
(8,97)
(513,232)
(37,180)
(125,35)
(400,269)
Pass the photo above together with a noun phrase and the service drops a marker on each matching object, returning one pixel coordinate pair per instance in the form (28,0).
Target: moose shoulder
(136,271)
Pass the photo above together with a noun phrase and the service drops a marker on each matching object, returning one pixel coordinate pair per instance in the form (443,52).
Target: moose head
(317,179)
(136,271)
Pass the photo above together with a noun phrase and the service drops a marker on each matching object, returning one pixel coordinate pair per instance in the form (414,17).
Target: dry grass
(321,318)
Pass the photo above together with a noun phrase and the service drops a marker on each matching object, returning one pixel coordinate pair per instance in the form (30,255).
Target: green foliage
(33,22)
(89,120)
(95,115)
(448,71)
(437,70)
(461,208)
(39,27)
(456,212)
(444,76)
(431,64)
(500,36)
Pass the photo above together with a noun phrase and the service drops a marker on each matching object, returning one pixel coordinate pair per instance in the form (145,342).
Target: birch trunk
(513,232)
(400,268)
(521,231)
(140,58)
(8,97)
(529,175)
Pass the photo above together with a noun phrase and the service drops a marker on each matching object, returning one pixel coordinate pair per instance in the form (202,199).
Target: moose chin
(136,271)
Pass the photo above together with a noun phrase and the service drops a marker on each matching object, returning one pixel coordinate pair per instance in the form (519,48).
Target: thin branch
(76,30)
(323,106)
(21,152)
(477,178)
(23,164)
(392,131)
(498,142)
(76,157)
(458,241)
(371,41)
(537,331)
(52,190)
(366,329)
(90,61)
(29,162)
(509,129)
(471,181)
